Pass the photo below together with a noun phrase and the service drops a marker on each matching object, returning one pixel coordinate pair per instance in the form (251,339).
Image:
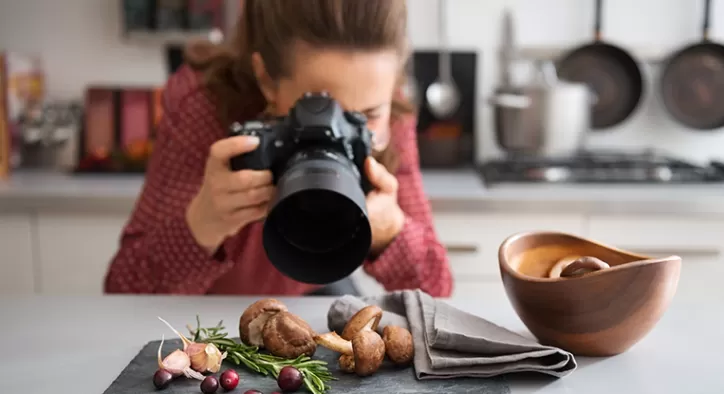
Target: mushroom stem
(346,363)
(334,342)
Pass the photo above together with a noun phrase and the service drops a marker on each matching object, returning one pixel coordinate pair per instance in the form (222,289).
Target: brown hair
(270,27)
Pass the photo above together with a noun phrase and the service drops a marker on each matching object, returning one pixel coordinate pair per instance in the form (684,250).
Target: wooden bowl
(597,306)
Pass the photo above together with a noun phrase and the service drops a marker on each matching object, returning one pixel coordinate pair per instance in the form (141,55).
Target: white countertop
(80,344)
(449,191)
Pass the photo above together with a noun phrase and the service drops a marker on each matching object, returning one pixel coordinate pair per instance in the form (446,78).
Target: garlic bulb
(207,360)
(204,357)
(177,363)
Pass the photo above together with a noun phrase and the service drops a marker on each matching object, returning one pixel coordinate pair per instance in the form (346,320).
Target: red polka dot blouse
(158,253)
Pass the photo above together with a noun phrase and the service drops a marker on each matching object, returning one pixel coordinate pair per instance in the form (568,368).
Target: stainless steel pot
(514,107)
(546,118)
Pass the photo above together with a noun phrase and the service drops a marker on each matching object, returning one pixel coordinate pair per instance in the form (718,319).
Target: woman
(197,226)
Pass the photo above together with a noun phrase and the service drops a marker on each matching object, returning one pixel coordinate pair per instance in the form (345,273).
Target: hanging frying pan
(692,83)
(612,74)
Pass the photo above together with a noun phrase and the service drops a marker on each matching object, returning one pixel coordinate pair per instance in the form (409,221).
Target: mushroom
(398,345)
(346,363)
(361,347)
(289,336)
(362,355)
(252,322)
(367,316)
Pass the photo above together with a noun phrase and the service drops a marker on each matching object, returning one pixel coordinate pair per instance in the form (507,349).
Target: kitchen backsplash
(81,44)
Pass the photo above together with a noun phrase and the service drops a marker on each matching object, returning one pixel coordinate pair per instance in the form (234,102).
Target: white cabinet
(694,239)
(17,263)
(69,253)
(75,250)
(473,240)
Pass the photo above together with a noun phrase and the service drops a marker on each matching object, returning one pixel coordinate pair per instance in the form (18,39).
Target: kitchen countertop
(449,191)
(80,344)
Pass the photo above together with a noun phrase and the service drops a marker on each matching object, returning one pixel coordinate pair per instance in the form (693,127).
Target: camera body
(316,125)
(317,229)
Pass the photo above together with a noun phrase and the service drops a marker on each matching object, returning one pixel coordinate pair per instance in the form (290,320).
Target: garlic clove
(190,373)
(207,360)
(185,340)
(214,358)
(177,363)
(196,354)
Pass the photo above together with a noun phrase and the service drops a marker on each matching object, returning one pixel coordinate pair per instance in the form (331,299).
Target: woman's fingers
(249,214)
(247,179)
(234,182)
(380,177)
(257,195)
(223,150)
(233,202)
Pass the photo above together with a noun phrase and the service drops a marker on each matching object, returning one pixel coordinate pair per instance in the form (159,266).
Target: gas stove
(601,167)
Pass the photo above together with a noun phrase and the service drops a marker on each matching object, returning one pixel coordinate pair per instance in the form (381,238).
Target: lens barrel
(317,230)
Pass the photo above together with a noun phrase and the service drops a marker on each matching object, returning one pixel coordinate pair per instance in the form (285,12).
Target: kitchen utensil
(443,98)
(136,377)
(548,118)
(446,142)
(507,50)
(519,119)
(611,72)
(566,111)
(511,103)
(692,83)
(600,313)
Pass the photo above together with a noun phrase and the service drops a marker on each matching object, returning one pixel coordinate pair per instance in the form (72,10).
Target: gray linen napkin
(450,343)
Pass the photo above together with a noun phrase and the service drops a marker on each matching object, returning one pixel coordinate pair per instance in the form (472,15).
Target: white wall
(81,44)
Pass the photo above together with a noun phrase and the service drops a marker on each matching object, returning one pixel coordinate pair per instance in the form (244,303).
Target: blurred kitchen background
(537,136)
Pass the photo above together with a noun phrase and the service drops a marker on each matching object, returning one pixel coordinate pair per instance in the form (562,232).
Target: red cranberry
(209,385)
(229,379)
(162,378)
(290,379)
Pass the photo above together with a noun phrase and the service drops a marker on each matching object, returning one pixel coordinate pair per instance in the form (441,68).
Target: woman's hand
(386,217)
(228,201)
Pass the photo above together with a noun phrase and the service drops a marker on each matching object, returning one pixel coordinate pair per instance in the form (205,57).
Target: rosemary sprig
(315,372)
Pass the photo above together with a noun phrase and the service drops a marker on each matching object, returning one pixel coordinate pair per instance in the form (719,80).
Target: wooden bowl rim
(642,260)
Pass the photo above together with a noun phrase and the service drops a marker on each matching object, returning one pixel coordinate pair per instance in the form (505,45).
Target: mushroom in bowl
(582,296)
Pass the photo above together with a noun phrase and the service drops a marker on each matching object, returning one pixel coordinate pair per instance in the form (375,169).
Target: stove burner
(601,167)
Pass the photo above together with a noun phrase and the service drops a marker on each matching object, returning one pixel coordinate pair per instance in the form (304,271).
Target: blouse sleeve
(158,253)
(415,258)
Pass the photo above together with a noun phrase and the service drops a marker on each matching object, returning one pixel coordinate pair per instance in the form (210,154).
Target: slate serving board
(137,378)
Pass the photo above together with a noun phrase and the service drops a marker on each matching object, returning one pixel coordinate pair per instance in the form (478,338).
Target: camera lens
(317,230)
(318,221)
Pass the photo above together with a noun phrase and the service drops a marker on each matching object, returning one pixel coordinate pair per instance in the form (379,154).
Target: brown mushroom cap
(398,345)
(368,316)
(262,310)
(288,335)
(369,352)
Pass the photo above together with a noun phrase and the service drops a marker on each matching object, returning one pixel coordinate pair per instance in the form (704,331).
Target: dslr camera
(317,230)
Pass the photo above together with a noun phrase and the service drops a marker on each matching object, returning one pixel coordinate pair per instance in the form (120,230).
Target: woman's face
(361,81)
